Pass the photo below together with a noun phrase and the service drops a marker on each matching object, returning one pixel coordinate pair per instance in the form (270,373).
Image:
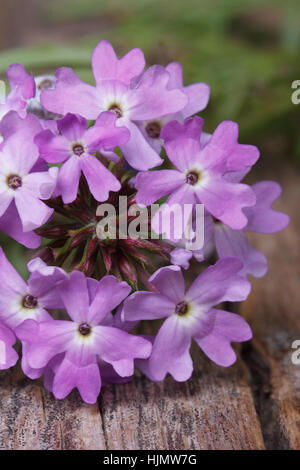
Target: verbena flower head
(75,183)
(84,339)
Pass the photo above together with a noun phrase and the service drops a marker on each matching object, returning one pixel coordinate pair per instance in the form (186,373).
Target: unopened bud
(128,271)
(53,232)
(107,259)
(46,255)
(90,257)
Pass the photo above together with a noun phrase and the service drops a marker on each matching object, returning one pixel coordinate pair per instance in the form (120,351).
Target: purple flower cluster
(68,146)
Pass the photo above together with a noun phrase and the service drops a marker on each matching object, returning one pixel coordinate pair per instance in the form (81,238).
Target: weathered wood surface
(252,405)
(273,309)
(215,410)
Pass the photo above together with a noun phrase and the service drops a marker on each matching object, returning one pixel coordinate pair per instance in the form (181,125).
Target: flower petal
(169,282)
(225,200)
(242,158)
(87,379)
(183,151)
(190,128)
(262,218)
(41,184)
(68,179)
(33,212)
(8,356)
(152,98)
(137,151)
(105,134)
(72,127)
(75,296)
(12,124)
(47,339)
(181,257)
(116,345)
(228,327)
(181,203)
(10,223)
(6,197)
(176,75)
(123,368)
(42,280)
(235,243)
(20,79)
(106,65)
(10,279)
(198,95)
(53,148)
(20,150)
(152,186)
(29,371)
(219,282)
(147,306)
(100,180)
(64,98)
(110,293)
(170,351)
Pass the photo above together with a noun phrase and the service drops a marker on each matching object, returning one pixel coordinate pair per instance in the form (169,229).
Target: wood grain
(30,418)
(204,413)
(273,311)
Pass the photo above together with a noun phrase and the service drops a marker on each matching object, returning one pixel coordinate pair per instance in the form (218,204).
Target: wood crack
(262,391)
(103,428)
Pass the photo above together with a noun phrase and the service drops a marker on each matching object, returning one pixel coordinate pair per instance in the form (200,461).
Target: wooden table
(253,405)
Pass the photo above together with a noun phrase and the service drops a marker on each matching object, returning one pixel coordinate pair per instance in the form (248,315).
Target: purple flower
(12,125)
(181,257)
(200,174)
(22,89)
(20,301)
(198,96)
(86,338)
(75,147)
(8,356)
(108,373)
(34,106)
(190,315)
(22,188)
(121,87)
(261,219)
(228,242)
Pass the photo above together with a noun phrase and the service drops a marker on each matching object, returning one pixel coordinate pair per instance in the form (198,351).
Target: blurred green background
(248,52)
